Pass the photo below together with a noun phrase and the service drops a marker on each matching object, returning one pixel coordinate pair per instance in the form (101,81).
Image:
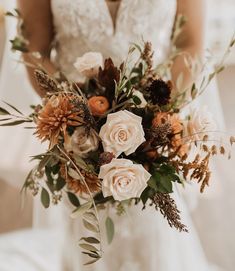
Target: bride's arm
(39,31)
(191,38)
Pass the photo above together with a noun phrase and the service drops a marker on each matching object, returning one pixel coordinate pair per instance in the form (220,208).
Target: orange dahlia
(59,112)
(77,186)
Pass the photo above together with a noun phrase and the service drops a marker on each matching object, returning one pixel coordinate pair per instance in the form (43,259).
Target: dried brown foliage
(198,169)
(147,56)
(109,75)
(169,210)
(45,82)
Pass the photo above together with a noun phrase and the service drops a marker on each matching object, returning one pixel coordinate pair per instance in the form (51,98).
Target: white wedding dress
(143,240)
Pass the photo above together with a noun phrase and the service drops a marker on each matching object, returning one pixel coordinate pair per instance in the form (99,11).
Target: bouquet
(118,139)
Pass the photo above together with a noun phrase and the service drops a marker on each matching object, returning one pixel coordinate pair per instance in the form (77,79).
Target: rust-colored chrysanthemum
(78,186)
(59,112)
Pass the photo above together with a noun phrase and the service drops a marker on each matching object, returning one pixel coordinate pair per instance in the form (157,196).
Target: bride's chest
(92,19)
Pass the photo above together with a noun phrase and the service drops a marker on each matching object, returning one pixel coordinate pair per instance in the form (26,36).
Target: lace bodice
(86,25)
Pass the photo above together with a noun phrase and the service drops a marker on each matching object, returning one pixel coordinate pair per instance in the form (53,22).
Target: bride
(143,240)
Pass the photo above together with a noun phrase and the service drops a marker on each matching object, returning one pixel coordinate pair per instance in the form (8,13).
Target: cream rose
(123,180)
(88,65)
(200,123)
(123,132)
(81,142)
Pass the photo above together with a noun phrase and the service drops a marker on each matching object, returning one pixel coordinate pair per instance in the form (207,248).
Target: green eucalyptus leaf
(89,226)
(176,178)
(211,76)
(137,47)
(27,181)
(232,43)
(14,123)
(194,91)
(90,216)
(8,13)
(45,198)
(19,45)
(74,174)
(109,229)
(80,162)
(136,100)
(91,262)
(60,184)
(14,108)
(73,199)
(92,254)
(145,195)
(91,240)
(5,119)
(135,80)
(17,12)
(88,247)
(220,69)
(4,111)
(81,209)
(50,179)
(56,168)
(45,160)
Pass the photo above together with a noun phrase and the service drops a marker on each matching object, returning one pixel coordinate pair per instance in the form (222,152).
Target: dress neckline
(114,20)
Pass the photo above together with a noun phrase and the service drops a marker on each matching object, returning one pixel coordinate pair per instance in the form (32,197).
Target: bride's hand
(39,32)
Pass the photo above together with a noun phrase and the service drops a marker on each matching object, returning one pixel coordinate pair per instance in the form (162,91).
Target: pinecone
(160,92)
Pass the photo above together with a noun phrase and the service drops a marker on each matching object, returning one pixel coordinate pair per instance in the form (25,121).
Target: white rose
(88,65)
(81,142)
(200,123)
(123,180)
(141,97)
(123,132)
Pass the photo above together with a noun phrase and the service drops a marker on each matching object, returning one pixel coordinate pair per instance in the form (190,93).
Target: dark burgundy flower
(106,158)
(160,92)
(108,76)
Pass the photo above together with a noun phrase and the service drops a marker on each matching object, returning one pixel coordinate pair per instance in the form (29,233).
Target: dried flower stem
(88,190)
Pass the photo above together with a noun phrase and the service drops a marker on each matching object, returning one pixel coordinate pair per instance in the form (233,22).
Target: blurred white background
(220,28)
